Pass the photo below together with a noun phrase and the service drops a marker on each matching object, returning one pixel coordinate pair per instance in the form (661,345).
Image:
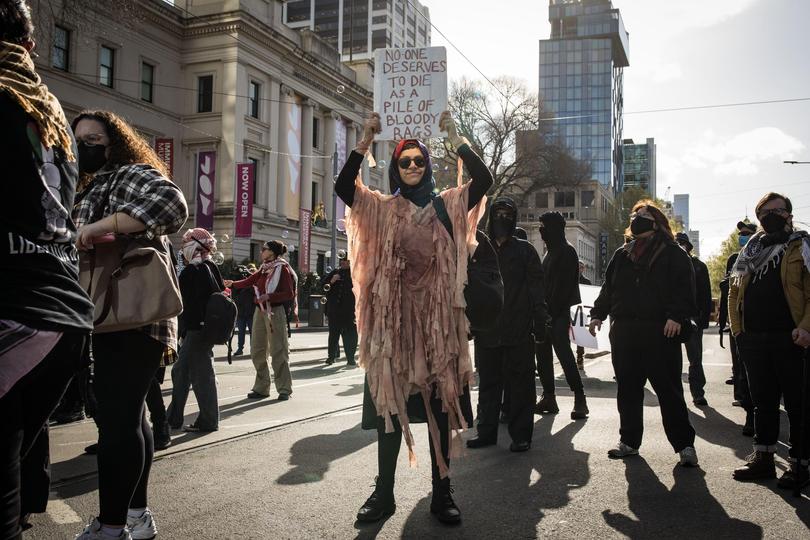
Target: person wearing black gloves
(649,293)
(703,298)
(340,310)
(561,272)
(739,378)
(505,353)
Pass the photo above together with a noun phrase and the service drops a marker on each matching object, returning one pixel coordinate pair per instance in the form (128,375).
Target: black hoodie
(560,267)
(523,297)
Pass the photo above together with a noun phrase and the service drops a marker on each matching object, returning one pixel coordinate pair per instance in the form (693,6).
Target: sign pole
(334,209)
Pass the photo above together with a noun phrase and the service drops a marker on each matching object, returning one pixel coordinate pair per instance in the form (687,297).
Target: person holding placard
(409,273)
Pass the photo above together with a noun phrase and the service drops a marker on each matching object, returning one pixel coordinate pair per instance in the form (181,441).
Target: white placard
(410,91)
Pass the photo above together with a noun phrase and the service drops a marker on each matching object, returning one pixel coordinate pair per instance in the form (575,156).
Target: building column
(272,178)
(287,95)
(306,151)
(329,149)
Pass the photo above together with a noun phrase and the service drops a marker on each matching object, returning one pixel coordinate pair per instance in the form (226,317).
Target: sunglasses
(405,162)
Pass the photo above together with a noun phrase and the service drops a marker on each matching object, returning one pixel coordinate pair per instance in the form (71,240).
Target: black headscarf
(422,193)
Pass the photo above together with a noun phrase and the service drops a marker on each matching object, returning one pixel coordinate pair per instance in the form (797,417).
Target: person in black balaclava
(505,354)
(561,268)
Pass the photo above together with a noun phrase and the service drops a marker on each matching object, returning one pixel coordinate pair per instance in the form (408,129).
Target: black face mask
(544,234)
(773,223)
(501,227)
(91,157)
(640,225)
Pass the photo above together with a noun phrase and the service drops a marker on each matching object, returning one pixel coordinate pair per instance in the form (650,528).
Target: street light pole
(790,162)
(334,208)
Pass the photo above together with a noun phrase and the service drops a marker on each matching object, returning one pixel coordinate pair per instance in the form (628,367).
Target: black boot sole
(445,519)
(372,518)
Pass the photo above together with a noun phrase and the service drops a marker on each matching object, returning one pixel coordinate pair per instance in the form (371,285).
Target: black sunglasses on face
(405,162)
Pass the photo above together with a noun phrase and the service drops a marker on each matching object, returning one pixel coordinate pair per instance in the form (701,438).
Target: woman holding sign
(409,276)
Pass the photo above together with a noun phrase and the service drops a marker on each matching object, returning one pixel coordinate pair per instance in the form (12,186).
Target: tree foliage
(502,125)
(616,222)
(717,262)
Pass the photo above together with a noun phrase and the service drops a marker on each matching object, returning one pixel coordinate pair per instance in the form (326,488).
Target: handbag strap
(441,213)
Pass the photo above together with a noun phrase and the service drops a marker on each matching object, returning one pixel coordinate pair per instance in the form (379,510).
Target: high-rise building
(581,82)
(680,207)
(639,165)
(357,27)
(694,238)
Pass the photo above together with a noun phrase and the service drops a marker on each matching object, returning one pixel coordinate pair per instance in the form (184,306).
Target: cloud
(667,18)
(741,154)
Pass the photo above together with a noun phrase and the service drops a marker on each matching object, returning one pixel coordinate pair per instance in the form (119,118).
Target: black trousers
(125,366)
(774,366)
(24,410)
(154,400)
(694,353)
(641,352)
(513,366)
(557,337)
(742,392)
(348,331)
(388,445)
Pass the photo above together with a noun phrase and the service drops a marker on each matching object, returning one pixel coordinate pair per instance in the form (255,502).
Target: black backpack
(289,306)
(220,317)
(484,290)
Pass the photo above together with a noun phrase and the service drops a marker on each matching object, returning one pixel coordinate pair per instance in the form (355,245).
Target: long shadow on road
(311,457)
(660,511)
(516,495)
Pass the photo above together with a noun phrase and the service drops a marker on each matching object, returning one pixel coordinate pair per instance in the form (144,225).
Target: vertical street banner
(342,153)
(206,178)
(306,231)
(245,177)
(410,91)
(165,151)
(292,149)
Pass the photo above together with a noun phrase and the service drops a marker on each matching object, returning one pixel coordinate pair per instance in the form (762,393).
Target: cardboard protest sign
(410,91)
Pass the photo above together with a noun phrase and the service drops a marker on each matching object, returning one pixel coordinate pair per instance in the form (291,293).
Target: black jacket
(665,290)
(245,301)
(524,299)
(703,292)
(561,272)
(197,283)
(340,297)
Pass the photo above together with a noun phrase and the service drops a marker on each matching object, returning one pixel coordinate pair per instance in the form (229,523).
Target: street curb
(246,356)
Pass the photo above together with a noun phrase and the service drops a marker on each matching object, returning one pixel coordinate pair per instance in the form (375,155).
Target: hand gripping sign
(410,91)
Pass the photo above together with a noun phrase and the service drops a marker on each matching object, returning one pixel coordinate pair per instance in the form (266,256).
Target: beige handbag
(131,281)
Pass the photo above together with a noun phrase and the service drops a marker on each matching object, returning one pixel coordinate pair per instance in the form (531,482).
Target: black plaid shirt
(145,194)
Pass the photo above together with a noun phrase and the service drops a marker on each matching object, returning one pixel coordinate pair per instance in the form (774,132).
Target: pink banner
(306,230)
(206,176)
(244,199)
(165,151)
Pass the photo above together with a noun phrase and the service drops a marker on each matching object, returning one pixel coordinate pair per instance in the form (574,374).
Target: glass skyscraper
(581,82)
(639,165)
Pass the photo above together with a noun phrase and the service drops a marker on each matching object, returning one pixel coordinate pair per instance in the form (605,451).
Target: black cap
(745,226)
(683,239)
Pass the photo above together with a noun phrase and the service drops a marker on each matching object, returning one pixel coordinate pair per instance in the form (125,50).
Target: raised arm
(481,175)
(344,185)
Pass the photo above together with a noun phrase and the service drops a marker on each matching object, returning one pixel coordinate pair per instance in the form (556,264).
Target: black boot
(580,407)
(379,505)
(760,466)
(547,405)
(442,504)
(162,436)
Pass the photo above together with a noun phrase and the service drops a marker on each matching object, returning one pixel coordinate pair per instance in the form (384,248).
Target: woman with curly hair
(124,190)
(649,293)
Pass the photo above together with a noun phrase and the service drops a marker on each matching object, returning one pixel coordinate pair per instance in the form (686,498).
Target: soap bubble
(218,258)
(435,167)
(340,89)
(291,248)
(328,254)
(328,269)
(381,164)
(341,254)
(446,168)
(341,225)
(225,239)
(285,234)
(327,287)
(324,300)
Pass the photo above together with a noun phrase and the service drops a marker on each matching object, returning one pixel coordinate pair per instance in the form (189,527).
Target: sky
(683,53)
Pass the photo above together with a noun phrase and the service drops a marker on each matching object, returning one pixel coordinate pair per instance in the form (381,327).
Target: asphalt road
(301,469)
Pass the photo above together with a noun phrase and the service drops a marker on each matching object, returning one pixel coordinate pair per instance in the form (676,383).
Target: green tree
(717,262)
(617,221)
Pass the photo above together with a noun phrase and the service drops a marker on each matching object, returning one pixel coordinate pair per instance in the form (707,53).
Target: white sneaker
(142,528)
(93,532)
(622,450)
(688,457)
